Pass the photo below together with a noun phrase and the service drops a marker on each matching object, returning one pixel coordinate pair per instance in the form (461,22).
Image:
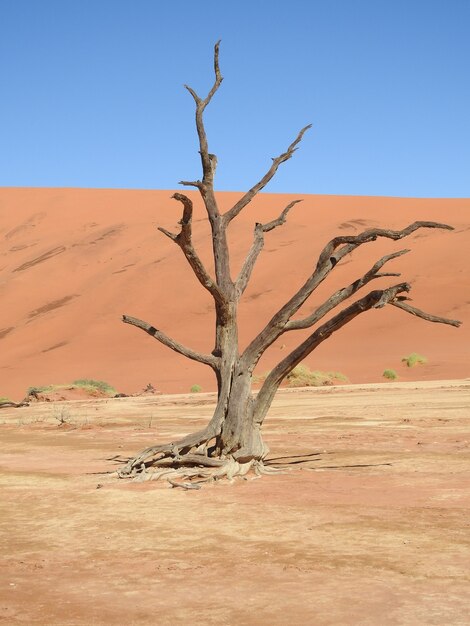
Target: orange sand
(73,260)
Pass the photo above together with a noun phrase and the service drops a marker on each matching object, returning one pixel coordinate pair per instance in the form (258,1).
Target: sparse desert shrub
(33,390)
(62,416)
(4,399)
(196,389)
(98,385)
(414,359)
(302,376)
(260,378)
(390,374)
(87,384)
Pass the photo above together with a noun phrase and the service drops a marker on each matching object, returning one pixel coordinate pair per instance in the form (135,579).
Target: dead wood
(15,405)
(231,445)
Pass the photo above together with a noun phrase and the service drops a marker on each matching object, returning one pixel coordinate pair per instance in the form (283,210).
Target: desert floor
(369,526)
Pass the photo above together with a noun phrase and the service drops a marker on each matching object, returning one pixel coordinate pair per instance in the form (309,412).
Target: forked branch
(331,254)
(207,359)
(373,300)
(346,292)
(208,161)
(256,247)
(248,197)
(206,188)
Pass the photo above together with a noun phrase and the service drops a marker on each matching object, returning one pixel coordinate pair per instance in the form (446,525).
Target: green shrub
(99,385)
(390,374)
(196,389)
(31,390)
(414,359)
(260,378)
(88,384)
(4,399)
(302,376)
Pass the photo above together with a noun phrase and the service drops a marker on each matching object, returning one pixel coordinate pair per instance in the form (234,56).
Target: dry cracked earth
(368,525)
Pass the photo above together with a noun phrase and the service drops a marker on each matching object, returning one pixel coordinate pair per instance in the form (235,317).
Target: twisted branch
(331,254)
(184,240)
(343,294)
(374,299)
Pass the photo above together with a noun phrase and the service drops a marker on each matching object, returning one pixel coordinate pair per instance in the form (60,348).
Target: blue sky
(92,93)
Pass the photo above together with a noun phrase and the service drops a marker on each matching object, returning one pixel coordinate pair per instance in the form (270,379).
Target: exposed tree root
(191,470)
(262,469)
(170,453)
(186,486)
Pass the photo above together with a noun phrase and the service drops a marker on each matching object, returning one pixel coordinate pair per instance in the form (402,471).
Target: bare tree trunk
(240,436)
(232,444)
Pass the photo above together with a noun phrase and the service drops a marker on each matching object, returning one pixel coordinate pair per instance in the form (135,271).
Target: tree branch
(328,259)
(351,242)
(423,315)
(206,189)
(374,299)
(207,359)
(207,160)
(167,233)
(279,221)
(256,247)
(184,241)
(248,197)
(191,183)
(343,294)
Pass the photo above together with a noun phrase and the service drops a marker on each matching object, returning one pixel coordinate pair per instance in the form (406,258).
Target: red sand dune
(73,260)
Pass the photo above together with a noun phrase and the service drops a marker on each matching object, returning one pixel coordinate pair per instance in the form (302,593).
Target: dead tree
(232,444)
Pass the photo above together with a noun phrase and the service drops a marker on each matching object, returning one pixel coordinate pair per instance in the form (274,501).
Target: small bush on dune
(98,385)
(196,389)
(258,379)
(302,376)
(414,359)
(47,388)
(4,399)
(390,374)
(87,384)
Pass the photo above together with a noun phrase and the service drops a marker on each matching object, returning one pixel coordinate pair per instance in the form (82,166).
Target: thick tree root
(191,471)
(167,454)
(194,476)
(188,462)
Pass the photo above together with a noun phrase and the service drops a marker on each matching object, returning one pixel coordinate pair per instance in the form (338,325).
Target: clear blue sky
(92,93)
